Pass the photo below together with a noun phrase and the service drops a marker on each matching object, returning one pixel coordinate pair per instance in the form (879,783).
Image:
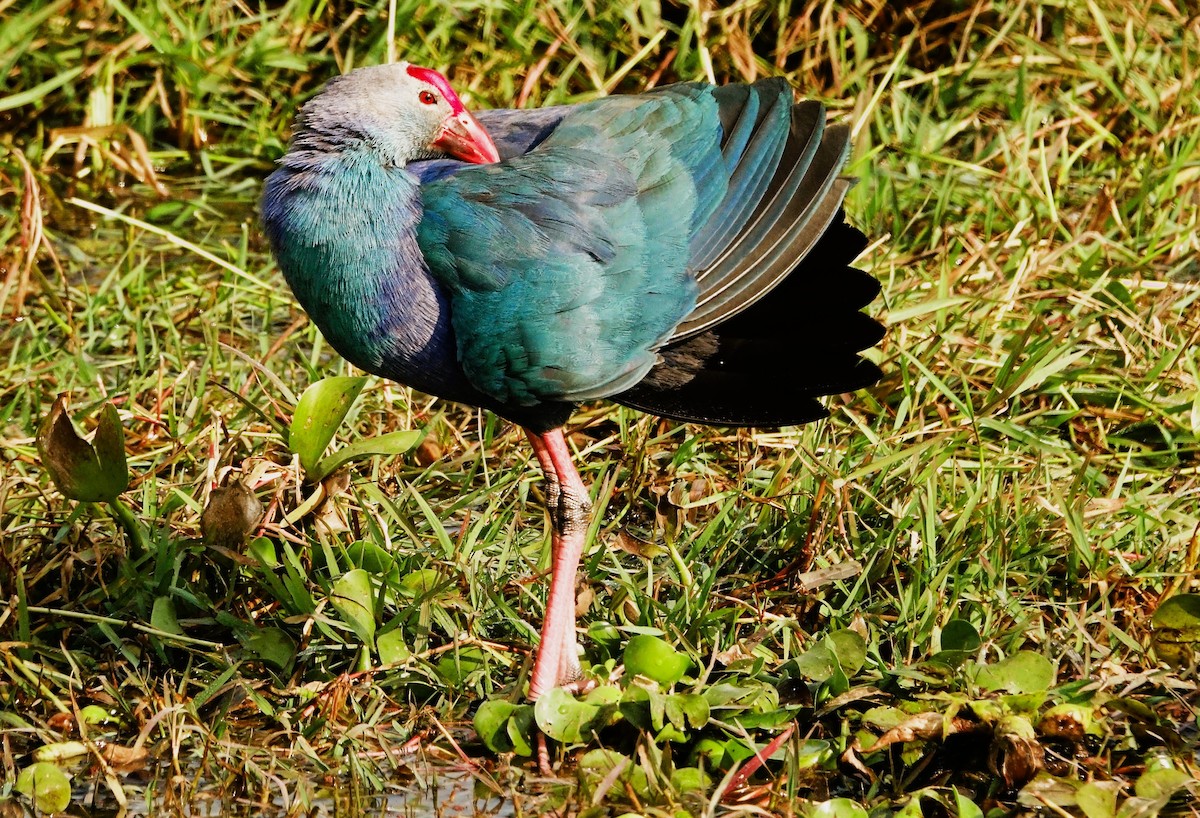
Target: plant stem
(133,529)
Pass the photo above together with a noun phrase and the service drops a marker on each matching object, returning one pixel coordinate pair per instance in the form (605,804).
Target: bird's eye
(427,97)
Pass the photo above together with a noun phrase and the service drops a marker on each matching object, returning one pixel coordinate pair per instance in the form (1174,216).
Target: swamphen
(680,251)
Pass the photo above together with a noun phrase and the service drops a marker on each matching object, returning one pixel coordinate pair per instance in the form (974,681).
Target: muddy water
(429,790)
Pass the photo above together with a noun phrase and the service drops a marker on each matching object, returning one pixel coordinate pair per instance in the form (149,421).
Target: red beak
(464,138)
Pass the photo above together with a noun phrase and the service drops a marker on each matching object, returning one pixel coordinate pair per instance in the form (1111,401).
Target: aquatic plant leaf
(1098,799)
(383,445)
(354,599)
(46,785)
(839,808)
(654,658)
(393,647)
(90,472)
(319,413)
(690,779)
(162,616)
(457,665)
(959,634)
(563,717)
(272,646)
(505,727)
(1023,672)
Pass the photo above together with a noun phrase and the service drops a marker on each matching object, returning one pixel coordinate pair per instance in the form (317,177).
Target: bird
(682,251)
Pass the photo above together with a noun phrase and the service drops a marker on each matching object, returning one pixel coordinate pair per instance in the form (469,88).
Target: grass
(1029,464)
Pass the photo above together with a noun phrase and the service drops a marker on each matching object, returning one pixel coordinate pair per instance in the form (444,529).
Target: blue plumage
(609,232)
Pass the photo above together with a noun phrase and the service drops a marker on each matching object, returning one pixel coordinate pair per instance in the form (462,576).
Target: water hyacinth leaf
(690,779)
(850,649)
(1160,781)
(654,658)
(1048,790)
(563,717)
(520,731)
(505,727)
(421,582)
(319,413)
(817,663)
(384,445)
(839,808)
(1176,629)
(373,559)
(46,785)
(834,659)
(1068,721)
(601,765)
(89,472)
(96,715)
(687,709)
(1023,672)
(1098,799)
(966,807)
(353,597)
(598,765)
(813,753)
(273,647)
(454,667)
(163,618)
(263,550)
(393,647)
(959,634)
(770,718)
(60,751)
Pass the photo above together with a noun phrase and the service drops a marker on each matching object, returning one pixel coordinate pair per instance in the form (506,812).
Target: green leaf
(690,779)
(597,765)
(850,649)
(959,634)
(813,753)
(817,663)
(505,727)
(94,714)
(354,599)
(460,663)
(273,647)
(263,550)
(46,785)
(89,472)
(564,718)
(421,582)
(162,616)
(374,559)
(393,647)
(684,709)
(1098,799)
(381,445)
(60,751)
(1023,672)
(966,807)
(1160,782)
(319,413)
(838,808)
(654,658)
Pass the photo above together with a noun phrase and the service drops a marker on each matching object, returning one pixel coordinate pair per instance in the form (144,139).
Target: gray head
(399,111)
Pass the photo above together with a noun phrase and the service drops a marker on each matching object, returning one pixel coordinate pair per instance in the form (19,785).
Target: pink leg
(557,660)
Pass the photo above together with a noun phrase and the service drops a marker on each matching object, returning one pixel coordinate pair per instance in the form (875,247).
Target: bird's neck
(344,229)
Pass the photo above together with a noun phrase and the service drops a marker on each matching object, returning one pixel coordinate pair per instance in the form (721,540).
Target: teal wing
(568,267)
